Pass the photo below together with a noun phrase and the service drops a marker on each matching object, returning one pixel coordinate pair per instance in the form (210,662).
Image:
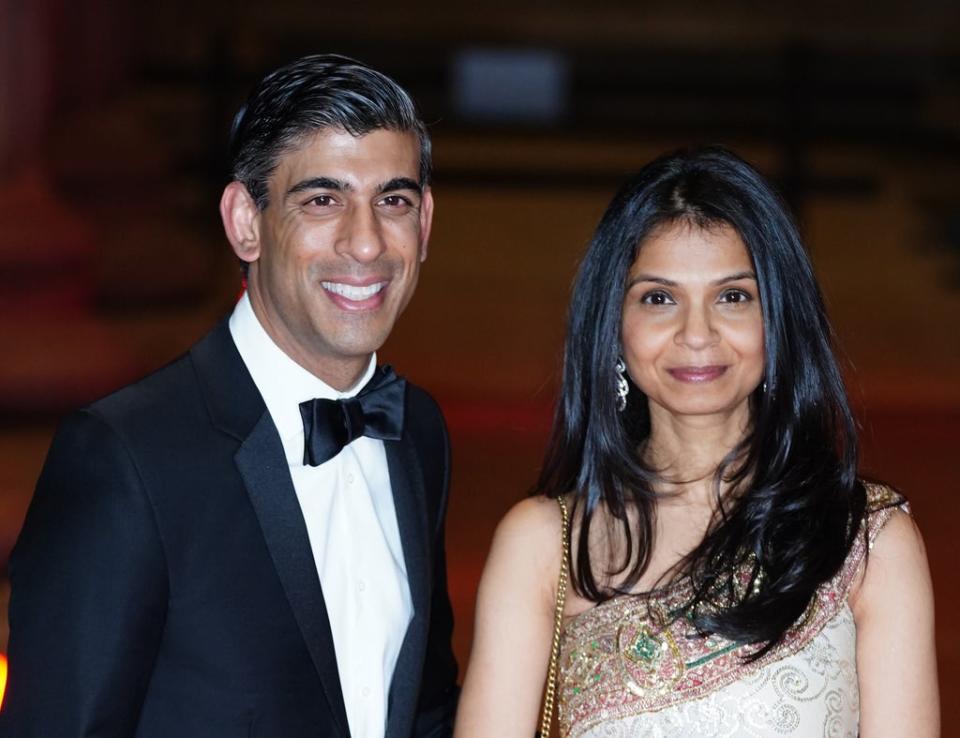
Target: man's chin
(356,349)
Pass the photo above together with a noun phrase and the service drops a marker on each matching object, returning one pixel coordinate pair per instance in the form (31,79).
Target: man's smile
(352,291)
(356,297)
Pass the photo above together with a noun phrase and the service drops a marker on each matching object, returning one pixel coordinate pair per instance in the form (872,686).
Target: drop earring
(622,387)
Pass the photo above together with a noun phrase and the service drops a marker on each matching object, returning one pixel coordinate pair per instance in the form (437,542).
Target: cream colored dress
(630,667)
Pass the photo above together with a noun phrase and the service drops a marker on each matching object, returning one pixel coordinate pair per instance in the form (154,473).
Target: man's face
(340,247)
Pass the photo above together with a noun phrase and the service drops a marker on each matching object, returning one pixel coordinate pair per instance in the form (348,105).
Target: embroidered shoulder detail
(880,497)
(882,503)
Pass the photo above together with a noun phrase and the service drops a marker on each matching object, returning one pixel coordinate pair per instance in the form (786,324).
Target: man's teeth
(353,292)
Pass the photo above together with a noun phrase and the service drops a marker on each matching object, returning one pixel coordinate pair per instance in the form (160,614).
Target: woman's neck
(686,450)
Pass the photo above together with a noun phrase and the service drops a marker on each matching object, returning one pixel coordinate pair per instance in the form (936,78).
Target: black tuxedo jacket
(163,585)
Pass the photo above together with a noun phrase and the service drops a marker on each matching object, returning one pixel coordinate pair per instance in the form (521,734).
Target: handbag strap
(546,717)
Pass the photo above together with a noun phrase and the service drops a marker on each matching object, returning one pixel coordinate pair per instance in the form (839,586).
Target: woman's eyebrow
(734,278)
(652,278)
(670,283)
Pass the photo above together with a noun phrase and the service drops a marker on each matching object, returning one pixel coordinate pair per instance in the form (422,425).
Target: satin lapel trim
(232,398)
(409,499)
(264,469)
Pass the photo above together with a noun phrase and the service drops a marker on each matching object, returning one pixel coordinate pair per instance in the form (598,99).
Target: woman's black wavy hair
(793,502)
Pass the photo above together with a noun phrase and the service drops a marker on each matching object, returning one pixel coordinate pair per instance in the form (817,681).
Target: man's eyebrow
(400,183)
(319,183)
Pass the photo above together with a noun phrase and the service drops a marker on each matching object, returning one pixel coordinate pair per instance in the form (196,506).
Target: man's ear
(426,221)
(240,216)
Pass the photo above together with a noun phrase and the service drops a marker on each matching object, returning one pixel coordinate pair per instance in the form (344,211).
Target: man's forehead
(382,143)
(364,161)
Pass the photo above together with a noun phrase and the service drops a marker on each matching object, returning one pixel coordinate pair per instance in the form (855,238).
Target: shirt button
(349,478)
(362,585)
(366,691)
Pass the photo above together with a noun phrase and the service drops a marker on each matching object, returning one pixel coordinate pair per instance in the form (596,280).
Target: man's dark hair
(314,93)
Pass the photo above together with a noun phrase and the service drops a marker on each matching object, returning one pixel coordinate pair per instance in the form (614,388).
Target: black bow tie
(376,411)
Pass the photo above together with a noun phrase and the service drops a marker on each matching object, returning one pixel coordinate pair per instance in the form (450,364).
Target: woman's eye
(735,297)
(656,298)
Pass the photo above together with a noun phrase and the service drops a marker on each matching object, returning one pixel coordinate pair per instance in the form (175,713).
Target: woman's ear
(240,216)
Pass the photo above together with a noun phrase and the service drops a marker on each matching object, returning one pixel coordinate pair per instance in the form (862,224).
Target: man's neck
(339,372)
(340,376)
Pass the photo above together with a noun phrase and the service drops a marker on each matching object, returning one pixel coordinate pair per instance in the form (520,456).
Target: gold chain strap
(548,699)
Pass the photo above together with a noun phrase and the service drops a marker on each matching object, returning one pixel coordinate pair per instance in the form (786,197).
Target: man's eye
(396,201)
(321,201)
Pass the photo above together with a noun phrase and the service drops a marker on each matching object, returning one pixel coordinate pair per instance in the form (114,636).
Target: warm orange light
(3,678)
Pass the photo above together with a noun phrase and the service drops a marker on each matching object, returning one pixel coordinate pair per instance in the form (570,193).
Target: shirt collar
(282,382)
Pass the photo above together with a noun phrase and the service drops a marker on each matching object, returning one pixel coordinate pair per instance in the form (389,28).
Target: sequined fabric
(631,667)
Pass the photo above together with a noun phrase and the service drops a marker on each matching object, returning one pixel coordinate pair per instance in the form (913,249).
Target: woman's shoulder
(887,515)
(532,528)
(527,552)
(891,546)
(891,531)
(537,515)
(894,614)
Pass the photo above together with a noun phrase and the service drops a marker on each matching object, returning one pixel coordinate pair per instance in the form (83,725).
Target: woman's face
(692,329)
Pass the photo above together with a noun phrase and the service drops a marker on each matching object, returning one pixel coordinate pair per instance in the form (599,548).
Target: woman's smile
(697,374)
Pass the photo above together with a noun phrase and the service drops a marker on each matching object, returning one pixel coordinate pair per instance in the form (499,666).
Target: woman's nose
(696,328)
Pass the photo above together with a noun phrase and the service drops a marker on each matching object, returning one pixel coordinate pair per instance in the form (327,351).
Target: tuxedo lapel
(264,469)
(237,408)
(409,499)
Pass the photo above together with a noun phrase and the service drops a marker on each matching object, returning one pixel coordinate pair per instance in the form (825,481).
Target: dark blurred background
(113,124)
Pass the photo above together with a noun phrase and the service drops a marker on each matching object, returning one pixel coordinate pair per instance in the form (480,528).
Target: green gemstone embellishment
(645,648)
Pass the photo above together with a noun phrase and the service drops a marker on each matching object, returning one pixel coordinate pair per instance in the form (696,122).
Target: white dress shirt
(347,504)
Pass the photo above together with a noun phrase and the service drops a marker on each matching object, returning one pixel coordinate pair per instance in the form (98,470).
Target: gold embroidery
(634,655)
(650,662)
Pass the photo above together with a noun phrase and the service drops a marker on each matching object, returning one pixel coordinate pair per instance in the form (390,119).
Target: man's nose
(361,237)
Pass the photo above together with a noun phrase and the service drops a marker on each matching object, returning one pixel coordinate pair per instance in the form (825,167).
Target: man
(228,547)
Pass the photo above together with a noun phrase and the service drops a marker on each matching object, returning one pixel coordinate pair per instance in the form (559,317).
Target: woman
(705,449)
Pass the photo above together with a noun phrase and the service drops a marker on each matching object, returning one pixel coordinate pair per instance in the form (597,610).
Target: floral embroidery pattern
(627,658)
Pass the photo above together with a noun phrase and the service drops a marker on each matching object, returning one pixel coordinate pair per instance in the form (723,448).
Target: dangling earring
(763,387)
(622,387)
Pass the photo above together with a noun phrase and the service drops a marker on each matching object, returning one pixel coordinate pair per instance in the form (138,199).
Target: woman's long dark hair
(793,502)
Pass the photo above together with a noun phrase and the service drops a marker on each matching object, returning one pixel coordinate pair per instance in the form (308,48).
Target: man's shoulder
(424,423)
(159,391)
(424,416)
(422,404)
(167,394)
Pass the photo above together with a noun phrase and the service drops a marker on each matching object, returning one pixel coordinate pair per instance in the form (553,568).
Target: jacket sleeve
(88,592)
